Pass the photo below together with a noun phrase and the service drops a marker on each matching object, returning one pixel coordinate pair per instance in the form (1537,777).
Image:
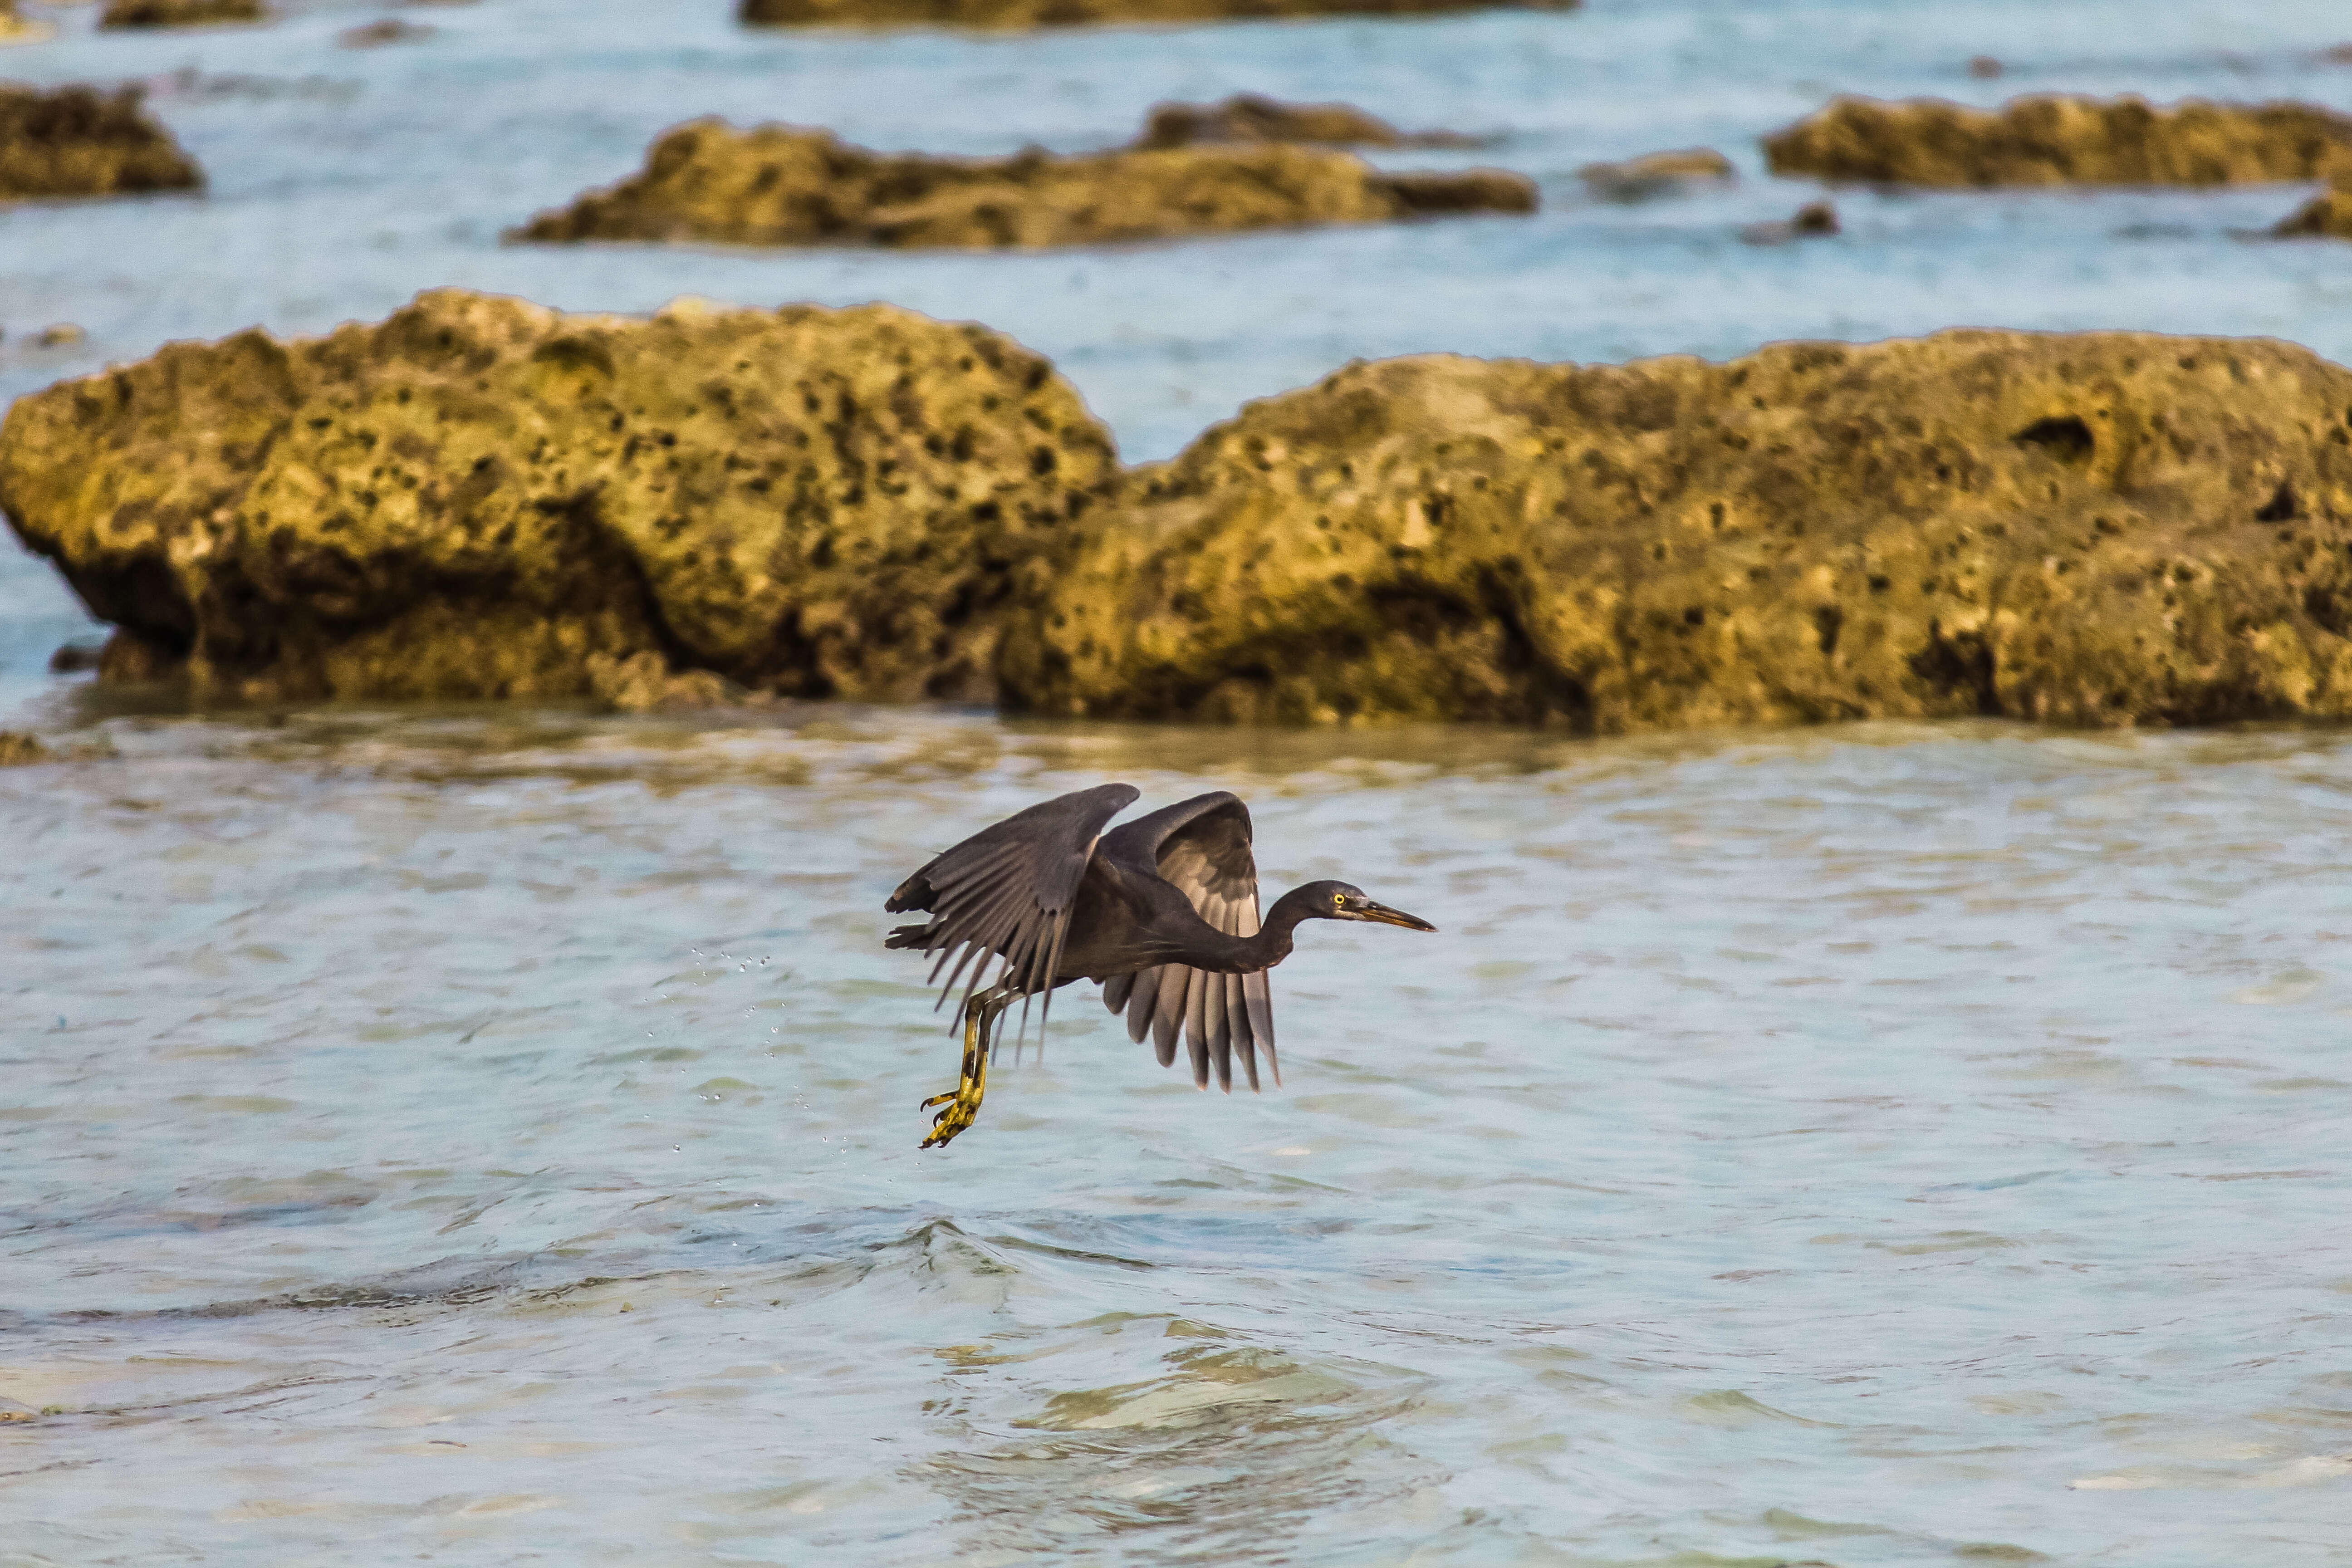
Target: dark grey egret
(1163,910)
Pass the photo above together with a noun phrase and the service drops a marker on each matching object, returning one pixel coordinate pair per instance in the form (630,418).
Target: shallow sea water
(488,1136)
(1861,1146)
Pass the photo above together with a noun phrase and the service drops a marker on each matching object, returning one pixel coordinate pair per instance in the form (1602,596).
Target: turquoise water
(488,1136)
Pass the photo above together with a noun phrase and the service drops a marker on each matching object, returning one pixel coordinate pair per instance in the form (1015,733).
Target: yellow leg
(962,1102)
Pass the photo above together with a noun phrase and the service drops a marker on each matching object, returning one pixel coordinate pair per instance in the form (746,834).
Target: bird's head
(1347,901)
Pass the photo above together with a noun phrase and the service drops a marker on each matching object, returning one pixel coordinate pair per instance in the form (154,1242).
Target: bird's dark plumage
(1163,910)
(1004,893)
(1201,847)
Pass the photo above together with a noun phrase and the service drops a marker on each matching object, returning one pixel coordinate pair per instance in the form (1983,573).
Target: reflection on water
(494,1129)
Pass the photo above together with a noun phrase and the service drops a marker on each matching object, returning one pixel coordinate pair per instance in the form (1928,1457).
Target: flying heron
(1163,910)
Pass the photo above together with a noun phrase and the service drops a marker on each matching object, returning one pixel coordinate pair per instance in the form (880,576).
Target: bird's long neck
(1272,943)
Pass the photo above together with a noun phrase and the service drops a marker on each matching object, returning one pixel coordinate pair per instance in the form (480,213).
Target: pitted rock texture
(1249,117)
(478,496)
(181,13)
(79,141)
(2059,141)
(1028,13)
(2107,529)
(780,185)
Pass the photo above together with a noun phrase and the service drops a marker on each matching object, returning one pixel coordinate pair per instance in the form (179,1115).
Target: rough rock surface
(1024,14)
(1249,117)
(1656,174)
(181,13)
(480,498)
(778,184)
(78,142)
(2327,215)
(2058,140)
(2103,529)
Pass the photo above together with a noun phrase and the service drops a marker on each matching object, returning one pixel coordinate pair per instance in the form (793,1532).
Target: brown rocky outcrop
(2057,139)
(778,184)
(1026,14)
(1656,174)
(2327,215)
(482,498)
(19,749)
(1249,117)
(2102,529)
(79,141)
(181,13)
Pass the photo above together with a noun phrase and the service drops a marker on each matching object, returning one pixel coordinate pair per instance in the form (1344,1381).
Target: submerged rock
(1247,117)
(79,141)
(2058,140)
(480,498)
(1654,173)
(377,34)
(2327,215)
(778,184)
(181,13)
(1814,220)
(2103,529)
(1026,14)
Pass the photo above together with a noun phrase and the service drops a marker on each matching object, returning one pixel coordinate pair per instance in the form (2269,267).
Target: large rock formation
(2058,140)
(481,498)
(1025,14)
(181,13)
(778,184)
(78,142)
(1250,116)
(2103,529)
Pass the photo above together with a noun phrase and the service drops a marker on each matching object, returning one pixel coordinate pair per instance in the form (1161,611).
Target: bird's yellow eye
(1339,900)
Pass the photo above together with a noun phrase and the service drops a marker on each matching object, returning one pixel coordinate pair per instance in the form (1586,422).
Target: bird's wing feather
(1201,847)
(1003,897)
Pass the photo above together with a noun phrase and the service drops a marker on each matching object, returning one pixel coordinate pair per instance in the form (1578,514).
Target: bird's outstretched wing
(1003,895)
(1202,847)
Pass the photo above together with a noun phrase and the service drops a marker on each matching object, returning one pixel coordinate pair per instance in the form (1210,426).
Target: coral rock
(778,185)
(78,142)
(2327,215)
(19,749)
(181,13)
(1247,117)
(376,35)
(1026,14)
(1656,174)
(2057,139)
(477,497)
(2103,529)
